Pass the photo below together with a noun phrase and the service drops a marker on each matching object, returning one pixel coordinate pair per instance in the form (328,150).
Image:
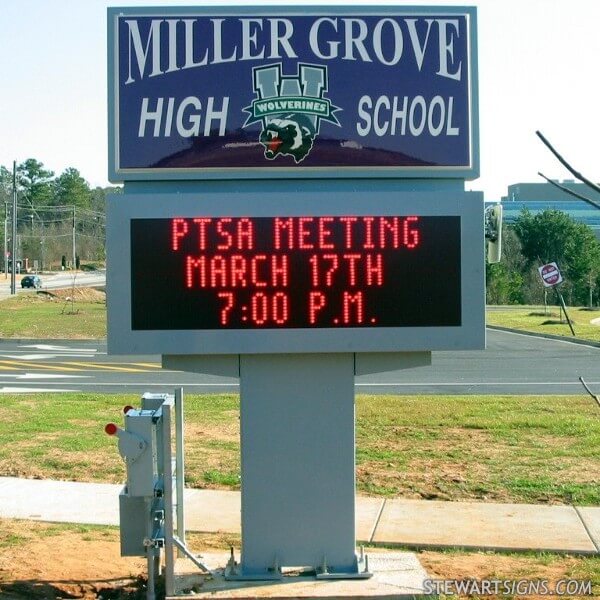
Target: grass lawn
(38,315)
(494,448)
(532,318)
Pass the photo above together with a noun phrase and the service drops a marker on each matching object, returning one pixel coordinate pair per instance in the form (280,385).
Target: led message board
(330,274)
(220,92)
(300,272)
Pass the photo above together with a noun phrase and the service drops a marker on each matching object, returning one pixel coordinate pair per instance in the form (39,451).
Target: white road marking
(22,390)
(87,354)
(28,356)
(44,356)
(51,348)
(45,376)
(133,383)
(474,383)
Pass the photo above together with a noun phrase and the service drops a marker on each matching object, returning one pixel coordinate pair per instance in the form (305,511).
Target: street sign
(550,274)
(328,273)
(221,92)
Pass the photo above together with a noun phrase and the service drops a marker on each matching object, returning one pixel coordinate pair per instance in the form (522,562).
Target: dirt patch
(49,561)
(472,465)
(534,570)
(492,565)
(440,471)
(41,560)
(11,467)
(222,431)
(83,294)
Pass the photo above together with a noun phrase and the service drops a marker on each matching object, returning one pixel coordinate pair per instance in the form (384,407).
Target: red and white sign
(550,274)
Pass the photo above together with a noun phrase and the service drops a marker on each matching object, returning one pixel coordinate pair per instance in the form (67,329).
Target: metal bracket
(154,542)
(195,559)
(234,572)
(360,569)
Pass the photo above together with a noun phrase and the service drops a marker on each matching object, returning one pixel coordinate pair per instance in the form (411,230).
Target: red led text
(237,271)
(297,233)
(269,272)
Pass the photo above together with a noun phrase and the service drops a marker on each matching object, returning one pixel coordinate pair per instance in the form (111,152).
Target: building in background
(537,197)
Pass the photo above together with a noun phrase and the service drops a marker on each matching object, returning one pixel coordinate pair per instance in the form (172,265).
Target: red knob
(111,429)
(127,408)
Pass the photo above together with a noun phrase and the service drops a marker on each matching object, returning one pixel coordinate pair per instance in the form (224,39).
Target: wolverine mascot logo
(286,136)
(290,109)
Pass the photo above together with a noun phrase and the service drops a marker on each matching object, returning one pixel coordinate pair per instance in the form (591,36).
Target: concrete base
(395,575)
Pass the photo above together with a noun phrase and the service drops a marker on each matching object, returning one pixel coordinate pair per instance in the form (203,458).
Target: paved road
(82,279)
(55,281)
(512,364)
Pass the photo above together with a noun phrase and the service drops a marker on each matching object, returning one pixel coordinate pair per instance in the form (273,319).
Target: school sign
(293,216)
(210,93)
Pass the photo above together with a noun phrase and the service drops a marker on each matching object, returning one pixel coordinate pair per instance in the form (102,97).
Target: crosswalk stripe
(14,365)
(29,365)
(2,368)
(105,367)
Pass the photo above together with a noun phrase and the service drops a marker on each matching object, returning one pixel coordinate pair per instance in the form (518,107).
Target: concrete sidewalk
(408,523)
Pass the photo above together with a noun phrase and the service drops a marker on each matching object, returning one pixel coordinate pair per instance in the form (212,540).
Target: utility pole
(74,255)
(13,270)
(5,240)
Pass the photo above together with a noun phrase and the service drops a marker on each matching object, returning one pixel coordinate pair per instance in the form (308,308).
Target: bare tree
(571,170)
(592,186)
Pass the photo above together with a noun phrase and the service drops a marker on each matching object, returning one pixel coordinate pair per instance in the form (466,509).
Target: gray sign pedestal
(298,481)
(297,456)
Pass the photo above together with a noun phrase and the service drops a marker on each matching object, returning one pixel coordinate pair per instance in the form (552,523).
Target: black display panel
(306,272)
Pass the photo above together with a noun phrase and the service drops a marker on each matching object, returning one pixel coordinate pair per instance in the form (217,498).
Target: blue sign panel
(292,92)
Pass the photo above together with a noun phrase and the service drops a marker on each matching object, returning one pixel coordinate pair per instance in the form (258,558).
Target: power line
(87,235)
(62,208)
(27,219)
(45,236)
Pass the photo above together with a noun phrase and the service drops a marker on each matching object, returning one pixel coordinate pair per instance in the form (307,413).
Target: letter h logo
(290,108)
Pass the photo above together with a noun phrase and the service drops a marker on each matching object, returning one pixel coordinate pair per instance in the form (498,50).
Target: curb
(548,336)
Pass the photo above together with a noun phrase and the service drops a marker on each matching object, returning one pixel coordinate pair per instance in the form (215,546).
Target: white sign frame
(122,339)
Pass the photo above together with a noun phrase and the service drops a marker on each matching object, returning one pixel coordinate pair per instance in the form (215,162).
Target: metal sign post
(297,478)
(552,278)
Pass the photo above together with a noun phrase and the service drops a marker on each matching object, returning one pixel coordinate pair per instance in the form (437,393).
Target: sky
(538,70)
